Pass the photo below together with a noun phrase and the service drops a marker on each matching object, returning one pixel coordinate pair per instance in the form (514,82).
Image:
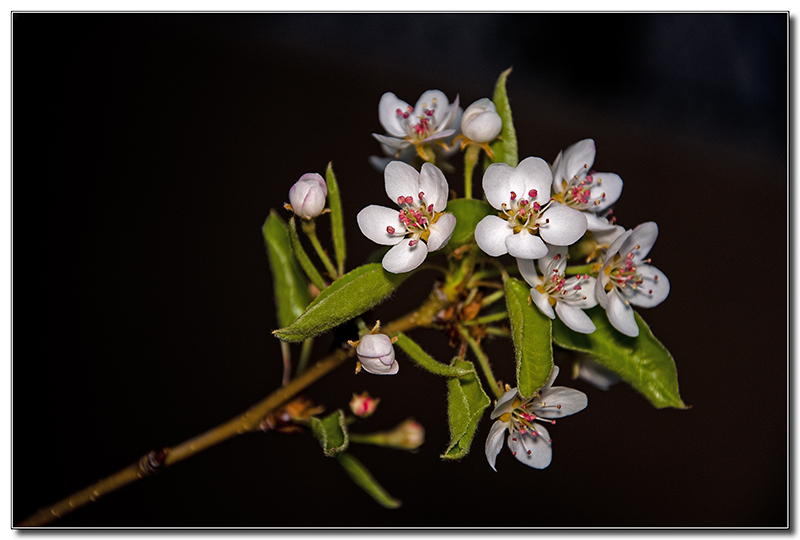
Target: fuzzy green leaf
(290,284)
(468,213)
(505,148)
(466,402)
(643,362)
(337,218)
(362,477)
(302,257)
(531,333)
(425,361)
(331,432)
(347,297)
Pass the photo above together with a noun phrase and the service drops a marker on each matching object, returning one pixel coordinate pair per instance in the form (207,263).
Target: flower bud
(480,121)
(307,196)
(363,405)
(376,353)
(409,435)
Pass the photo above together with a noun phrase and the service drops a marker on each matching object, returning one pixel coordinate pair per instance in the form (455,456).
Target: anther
(529,452)
(401,200)
(513,196)
(390,229)
(532,193)
(421,195)
(412,243)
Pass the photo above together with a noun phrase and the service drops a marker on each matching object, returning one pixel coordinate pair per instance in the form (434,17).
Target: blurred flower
(579,187)
(528,440)
(363,405)
(422,198)
(307,196)
(407,436)
(594,373)
(627,278)
(569,296)
(430,120)
(522,194)
(286,418)
(376,354)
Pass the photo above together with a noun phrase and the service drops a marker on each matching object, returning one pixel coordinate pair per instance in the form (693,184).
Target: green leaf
(362,477)
(302,257)
(291,286)
(531,333)
(643,362)
(425,361)
(468,213)
(504,149)
(331,432)
(347,297)
(466,402)
(337,218)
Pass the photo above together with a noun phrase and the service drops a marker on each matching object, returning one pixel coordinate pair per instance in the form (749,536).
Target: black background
(148,150)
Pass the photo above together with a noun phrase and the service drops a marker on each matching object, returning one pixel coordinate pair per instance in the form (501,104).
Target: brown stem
(244,423)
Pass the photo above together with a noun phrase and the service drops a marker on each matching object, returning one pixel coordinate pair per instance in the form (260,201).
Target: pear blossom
(570,296)
(528,439)
(576,185)
(480,121)
(363,405)
(420,226)
(594,373)
(529,216)
(429,120)
(376,354)
(307,196)
(626,278)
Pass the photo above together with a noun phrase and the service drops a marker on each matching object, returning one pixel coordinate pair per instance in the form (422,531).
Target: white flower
(579,187)
(594,373)
(522,194)
(528,440)
(307,195)
(422,198)
(376,354)
(431,119)
(570,296)
(480,122)
(627,278)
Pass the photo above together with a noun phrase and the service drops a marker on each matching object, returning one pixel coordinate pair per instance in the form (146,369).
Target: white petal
(527,267)
(494,442)
(604,236)
(620,315)
(558,173)
(534,451)
(575,318)
(453,118)
(374,346)
(525,245)
(571,401)
(552,251)
(578,158)
(434,185)
(597,375)
(542,301)
(615,246)
(401,180)
(609,184)
(659,287)
(373,221)
(551,379)
(491,233)
(537,175)
(566,225)
(504,404)
(499,181)
(379,163)
(387,359)
(481,125)
(392,143)
(599,288)
(643,236)
(426,101)
(376,367)
(439,135)
(588,291)
(441,231)
(387,114)
(404,258)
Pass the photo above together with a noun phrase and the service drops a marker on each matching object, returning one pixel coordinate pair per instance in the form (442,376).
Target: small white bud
(376,353)
(307,195)
(480,121)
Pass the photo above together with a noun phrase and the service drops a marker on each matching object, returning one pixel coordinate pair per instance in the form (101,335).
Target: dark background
(148,150)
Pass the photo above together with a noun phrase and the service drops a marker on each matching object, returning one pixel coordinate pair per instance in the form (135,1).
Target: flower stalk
(310,228)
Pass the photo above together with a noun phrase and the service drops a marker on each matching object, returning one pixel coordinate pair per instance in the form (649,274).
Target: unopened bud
(480,121)
(307,195)
(409,435)
(376,353)
(363,405)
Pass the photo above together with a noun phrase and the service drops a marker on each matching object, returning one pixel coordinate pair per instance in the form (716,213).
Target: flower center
(523,420)
(622,273)
(525,213)
(560,288)
(420,127)
(417,218)
(577,192)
